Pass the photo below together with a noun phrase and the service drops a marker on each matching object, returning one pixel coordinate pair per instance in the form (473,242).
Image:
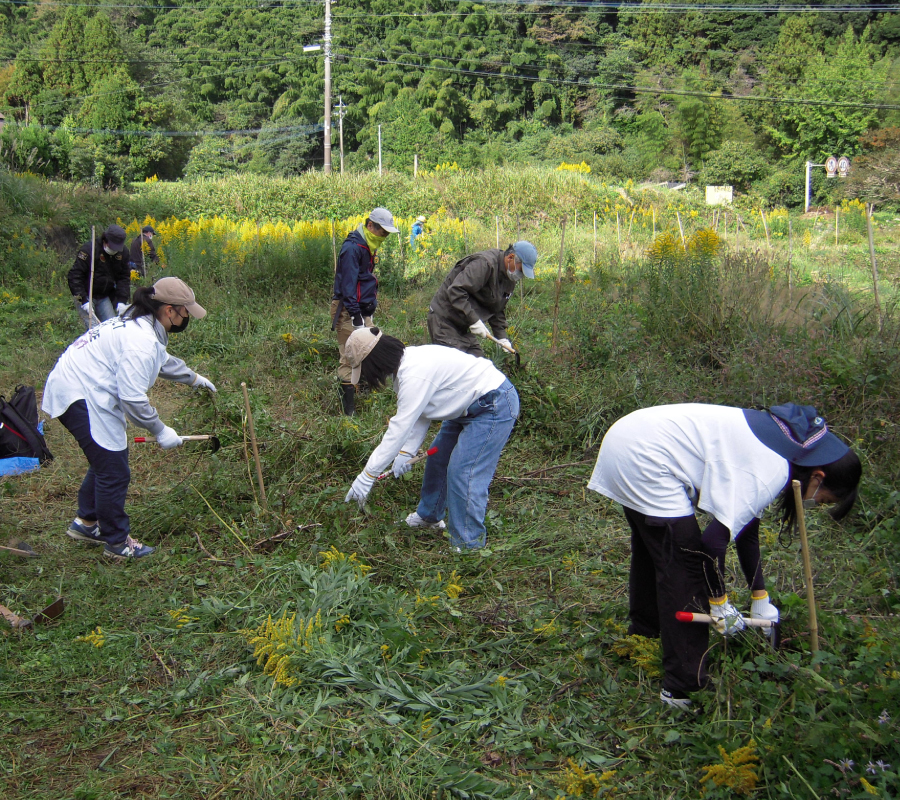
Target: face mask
(812,502)
(108,250)
(180,327)
(372,240)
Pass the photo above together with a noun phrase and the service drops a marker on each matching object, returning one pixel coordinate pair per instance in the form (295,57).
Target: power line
(643,89)
(296,130)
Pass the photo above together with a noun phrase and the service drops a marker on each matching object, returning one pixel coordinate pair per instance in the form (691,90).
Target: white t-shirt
(663,461)
(433,383)
(118,359)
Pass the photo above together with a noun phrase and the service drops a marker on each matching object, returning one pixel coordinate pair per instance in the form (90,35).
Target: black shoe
(348,398)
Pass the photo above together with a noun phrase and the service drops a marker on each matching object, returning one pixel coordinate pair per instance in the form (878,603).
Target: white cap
(381,216)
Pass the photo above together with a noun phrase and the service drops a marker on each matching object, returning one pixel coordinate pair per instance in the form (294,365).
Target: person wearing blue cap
(474,296)
(661,463)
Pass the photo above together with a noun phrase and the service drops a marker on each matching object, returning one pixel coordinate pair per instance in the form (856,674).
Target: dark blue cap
(798,433)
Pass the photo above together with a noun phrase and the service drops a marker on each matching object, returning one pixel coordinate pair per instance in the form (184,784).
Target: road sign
(843,166)
(831,166)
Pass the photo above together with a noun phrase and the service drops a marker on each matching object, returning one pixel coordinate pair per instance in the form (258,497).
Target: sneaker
(84,533)
(415,521)
(676,700)
(131,548)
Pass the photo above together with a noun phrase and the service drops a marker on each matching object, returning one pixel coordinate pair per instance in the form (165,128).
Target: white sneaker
(415,521)
(669,699)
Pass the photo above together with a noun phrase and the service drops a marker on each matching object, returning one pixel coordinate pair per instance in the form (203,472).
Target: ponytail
(143,304)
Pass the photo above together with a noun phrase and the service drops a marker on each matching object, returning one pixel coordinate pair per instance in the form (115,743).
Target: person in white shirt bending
(662,462)
(101,380)
(478,407)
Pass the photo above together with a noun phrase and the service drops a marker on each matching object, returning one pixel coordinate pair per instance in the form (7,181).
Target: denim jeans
(103,490)
(458,475)
(103,310)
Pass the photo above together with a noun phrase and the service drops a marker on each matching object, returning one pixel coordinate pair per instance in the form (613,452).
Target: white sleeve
(135,374)
(405,426)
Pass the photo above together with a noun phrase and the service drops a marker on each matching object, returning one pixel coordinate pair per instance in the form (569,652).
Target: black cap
(148,229)
(115,237)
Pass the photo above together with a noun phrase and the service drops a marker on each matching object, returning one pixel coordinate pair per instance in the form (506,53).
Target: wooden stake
(562,250)
(334,247)
(259,475)
(497,223)
(765,227)
(869,210)
(837,216)
(595,237)
(654,222)
(681,229)
(807,571)
(91,315)
(790,259)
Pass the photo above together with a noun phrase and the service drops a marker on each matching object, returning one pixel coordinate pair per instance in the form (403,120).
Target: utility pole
(327,163)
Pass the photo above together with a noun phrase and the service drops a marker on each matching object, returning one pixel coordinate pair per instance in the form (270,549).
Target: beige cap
(176,292)
(359,345)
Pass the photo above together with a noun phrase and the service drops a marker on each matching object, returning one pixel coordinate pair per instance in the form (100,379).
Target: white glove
(401,463)
(203,383)
(727,618)
(506,343)
(479,329)
(167,439)
(762,608)
(360,489)
(86,307)
(121,308)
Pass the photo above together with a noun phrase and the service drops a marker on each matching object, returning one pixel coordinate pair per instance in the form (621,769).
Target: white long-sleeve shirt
(433,383)
(111,367)
(663,461)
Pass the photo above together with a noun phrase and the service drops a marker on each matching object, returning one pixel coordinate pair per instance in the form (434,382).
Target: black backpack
(19,434)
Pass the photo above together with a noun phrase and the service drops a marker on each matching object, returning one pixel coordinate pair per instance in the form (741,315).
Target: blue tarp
(19,464)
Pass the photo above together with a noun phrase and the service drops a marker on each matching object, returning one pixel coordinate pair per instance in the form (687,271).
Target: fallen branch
(278,538)
(209,555)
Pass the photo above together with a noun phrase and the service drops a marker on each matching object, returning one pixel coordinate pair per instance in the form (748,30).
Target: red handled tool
(413,460)
(213,440)
(770,628)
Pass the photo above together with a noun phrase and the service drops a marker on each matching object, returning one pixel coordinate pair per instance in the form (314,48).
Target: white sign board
(719,195)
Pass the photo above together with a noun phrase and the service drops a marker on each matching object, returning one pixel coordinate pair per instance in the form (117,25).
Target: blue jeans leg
(105,486)
(472,447)
(103,310)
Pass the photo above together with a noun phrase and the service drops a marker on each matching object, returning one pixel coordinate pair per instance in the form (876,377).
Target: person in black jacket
(112,277)
(474,295)
(356,290)
(142,251)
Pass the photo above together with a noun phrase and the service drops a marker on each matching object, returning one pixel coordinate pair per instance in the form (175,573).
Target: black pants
(715,542)
(105,486)
(667,576)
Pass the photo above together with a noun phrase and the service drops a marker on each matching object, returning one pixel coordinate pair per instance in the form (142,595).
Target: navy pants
(667,576)
(103,490)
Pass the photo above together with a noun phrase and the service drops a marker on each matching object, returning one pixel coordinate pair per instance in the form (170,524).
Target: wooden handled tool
(495,340)
(414,460)
(706,619)
(198,438)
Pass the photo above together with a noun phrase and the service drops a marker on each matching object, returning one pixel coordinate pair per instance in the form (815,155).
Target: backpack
(19,433)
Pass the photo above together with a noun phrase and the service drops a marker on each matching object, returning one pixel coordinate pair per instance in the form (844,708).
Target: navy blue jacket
(355,283)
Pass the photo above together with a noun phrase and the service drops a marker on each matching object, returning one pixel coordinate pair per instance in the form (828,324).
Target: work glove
(360,489)
(357,321)
(401,463)
(727,618)
(167,438)
(121,308)
(762,608)
(506,343)
(200,383)
(86,307)
(479,329)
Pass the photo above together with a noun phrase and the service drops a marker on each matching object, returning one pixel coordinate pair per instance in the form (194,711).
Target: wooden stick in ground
(837,217)
(497,223)
(334,247)
(790,259)
(562,250)
(869,209)
(91,315)
(681,229)
(807,570)
(259,475)
(595,238)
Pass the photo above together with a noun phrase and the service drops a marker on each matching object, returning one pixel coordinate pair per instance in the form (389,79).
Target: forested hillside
(109,92)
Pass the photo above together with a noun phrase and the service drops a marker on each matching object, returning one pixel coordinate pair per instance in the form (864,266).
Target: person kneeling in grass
(478,407)
(662,462)
(101,380)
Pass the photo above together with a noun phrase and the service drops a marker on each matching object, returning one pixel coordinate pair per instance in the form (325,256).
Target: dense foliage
(107,93)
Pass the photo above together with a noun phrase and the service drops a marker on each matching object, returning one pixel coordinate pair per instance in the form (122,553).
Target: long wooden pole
(790,259)
(562,250)
(807,570)
(259,475)
(874,264)
(91,315)
(334,247)
(681,229)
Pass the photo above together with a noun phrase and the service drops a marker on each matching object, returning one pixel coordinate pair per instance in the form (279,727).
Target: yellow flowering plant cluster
(576,781)
(582,168)
(95,637)
(333,556)
(180,616)
(737,771)
(643,652)
(280,646)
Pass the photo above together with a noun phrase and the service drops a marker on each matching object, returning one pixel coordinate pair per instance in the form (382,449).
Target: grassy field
(413,673)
